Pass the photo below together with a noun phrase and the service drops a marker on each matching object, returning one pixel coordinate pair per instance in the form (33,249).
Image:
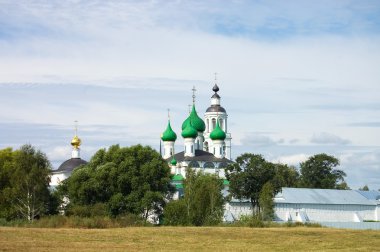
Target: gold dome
(75,142)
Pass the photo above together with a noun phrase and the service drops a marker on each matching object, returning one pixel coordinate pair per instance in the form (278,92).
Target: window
(194,164)
(209,165)
(213,123)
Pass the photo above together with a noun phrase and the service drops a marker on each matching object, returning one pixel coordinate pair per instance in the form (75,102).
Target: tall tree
(285,176)
(319,172)
(247,177)
(127,180)
(27,175)
(202,203)
(266,202)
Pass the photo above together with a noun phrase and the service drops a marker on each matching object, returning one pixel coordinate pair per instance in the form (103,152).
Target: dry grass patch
(188,238)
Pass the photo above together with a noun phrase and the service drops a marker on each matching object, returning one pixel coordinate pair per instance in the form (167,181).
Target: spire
(75,142)
(193,94)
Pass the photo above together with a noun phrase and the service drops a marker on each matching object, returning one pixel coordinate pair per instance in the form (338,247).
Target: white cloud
(327,138)
(291,159)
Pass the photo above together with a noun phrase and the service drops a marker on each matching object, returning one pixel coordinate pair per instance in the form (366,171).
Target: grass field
(188,238)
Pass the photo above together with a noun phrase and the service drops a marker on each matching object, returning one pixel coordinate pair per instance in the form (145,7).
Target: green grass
(188,238)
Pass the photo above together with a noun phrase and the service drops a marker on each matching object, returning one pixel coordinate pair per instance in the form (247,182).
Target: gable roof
(321,196)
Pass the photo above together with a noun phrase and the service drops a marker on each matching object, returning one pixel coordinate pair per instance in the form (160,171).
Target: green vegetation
(202,203)
(189,238)
(24,182)
(318,172)
(118,181)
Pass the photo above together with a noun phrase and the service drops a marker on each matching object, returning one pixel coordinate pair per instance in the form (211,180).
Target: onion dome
(173,162)
(189,131)
(75,142)
(217,133)
(215,88)
(169,134)
(195,120)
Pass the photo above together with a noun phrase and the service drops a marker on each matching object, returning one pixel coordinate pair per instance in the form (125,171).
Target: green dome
(195,120)
(189,131)
(169,134)
(217,133)
(177,177)
(173,161)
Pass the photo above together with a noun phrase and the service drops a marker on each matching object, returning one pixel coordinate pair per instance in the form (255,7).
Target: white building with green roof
(207,144)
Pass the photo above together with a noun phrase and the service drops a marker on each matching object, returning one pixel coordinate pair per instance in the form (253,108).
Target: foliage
(175,213)
(247,177)
(60,221)
(285,176)
(266,202)
(364,188)
(202,203)
(318,172)
(124,180)
(24,177)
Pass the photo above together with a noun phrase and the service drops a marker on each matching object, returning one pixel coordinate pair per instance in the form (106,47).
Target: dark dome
(215,88)
(70,164)
(216,108)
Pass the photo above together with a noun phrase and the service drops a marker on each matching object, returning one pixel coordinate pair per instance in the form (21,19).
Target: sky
(297,78)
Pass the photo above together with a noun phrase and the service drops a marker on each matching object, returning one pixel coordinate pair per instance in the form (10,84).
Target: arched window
(209,165)
(221,123)
(222,165)
(194,164)
(213,123)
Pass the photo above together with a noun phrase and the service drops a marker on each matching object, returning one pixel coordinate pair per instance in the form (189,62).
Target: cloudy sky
(297,78)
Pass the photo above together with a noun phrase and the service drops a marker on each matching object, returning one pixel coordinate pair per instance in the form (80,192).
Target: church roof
(195,121)
(70,164)
(217,133)
(200,155)
(216,108)
(169,134)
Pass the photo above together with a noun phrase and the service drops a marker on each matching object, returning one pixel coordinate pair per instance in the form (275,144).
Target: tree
(364,188)
(285,176)
(126,180)
(25,175)
(318,172)
(202,203)
(266,202)
(247,177)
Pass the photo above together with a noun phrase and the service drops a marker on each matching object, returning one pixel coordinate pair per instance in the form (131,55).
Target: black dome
(70,164)
(216,108)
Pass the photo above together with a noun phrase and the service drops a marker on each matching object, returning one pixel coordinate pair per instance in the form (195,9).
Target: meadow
(188,238)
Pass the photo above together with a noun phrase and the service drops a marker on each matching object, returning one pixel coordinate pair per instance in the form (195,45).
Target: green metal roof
(217,133)
(173,161)
(179,186)
(177,177)
(195,120)
(189,131)
(169,134)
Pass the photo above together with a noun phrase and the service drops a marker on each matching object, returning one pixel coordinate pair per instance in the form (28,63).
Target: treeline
(134,183)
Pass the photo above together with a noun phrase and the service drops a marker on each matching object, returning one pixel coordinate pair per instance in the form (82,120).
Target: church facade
(207,142)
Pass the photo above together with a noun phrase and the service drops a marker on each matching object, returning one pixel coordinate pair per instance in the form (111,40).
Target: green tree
(266,202)
(247,177)
(319,172)
(25,177)
(364,188)
(285,176)
(202,203)
(126,180)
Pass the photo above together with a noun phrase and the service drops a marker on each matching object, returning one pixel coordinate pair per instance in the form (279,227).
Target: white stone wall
(312,212)
(57,178)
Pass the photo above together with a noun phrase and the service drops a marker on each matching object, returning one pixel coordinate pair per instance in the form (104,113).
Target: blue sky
(296,77)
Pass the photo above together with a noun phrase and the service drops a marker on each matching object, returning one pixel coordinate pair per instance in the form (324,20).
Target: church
(207,143)
(207,148)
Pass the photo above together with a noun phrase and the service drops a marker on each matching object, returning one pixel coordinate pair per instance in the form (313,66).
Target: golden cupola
(75,142)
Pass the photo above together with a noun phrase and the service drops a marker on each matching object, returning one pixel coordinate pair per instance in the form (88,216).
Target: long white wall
(312,212)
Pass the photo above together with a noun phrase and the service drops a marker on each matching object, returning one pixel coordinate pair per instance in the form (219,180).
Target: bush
(59,221)
(175,213)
